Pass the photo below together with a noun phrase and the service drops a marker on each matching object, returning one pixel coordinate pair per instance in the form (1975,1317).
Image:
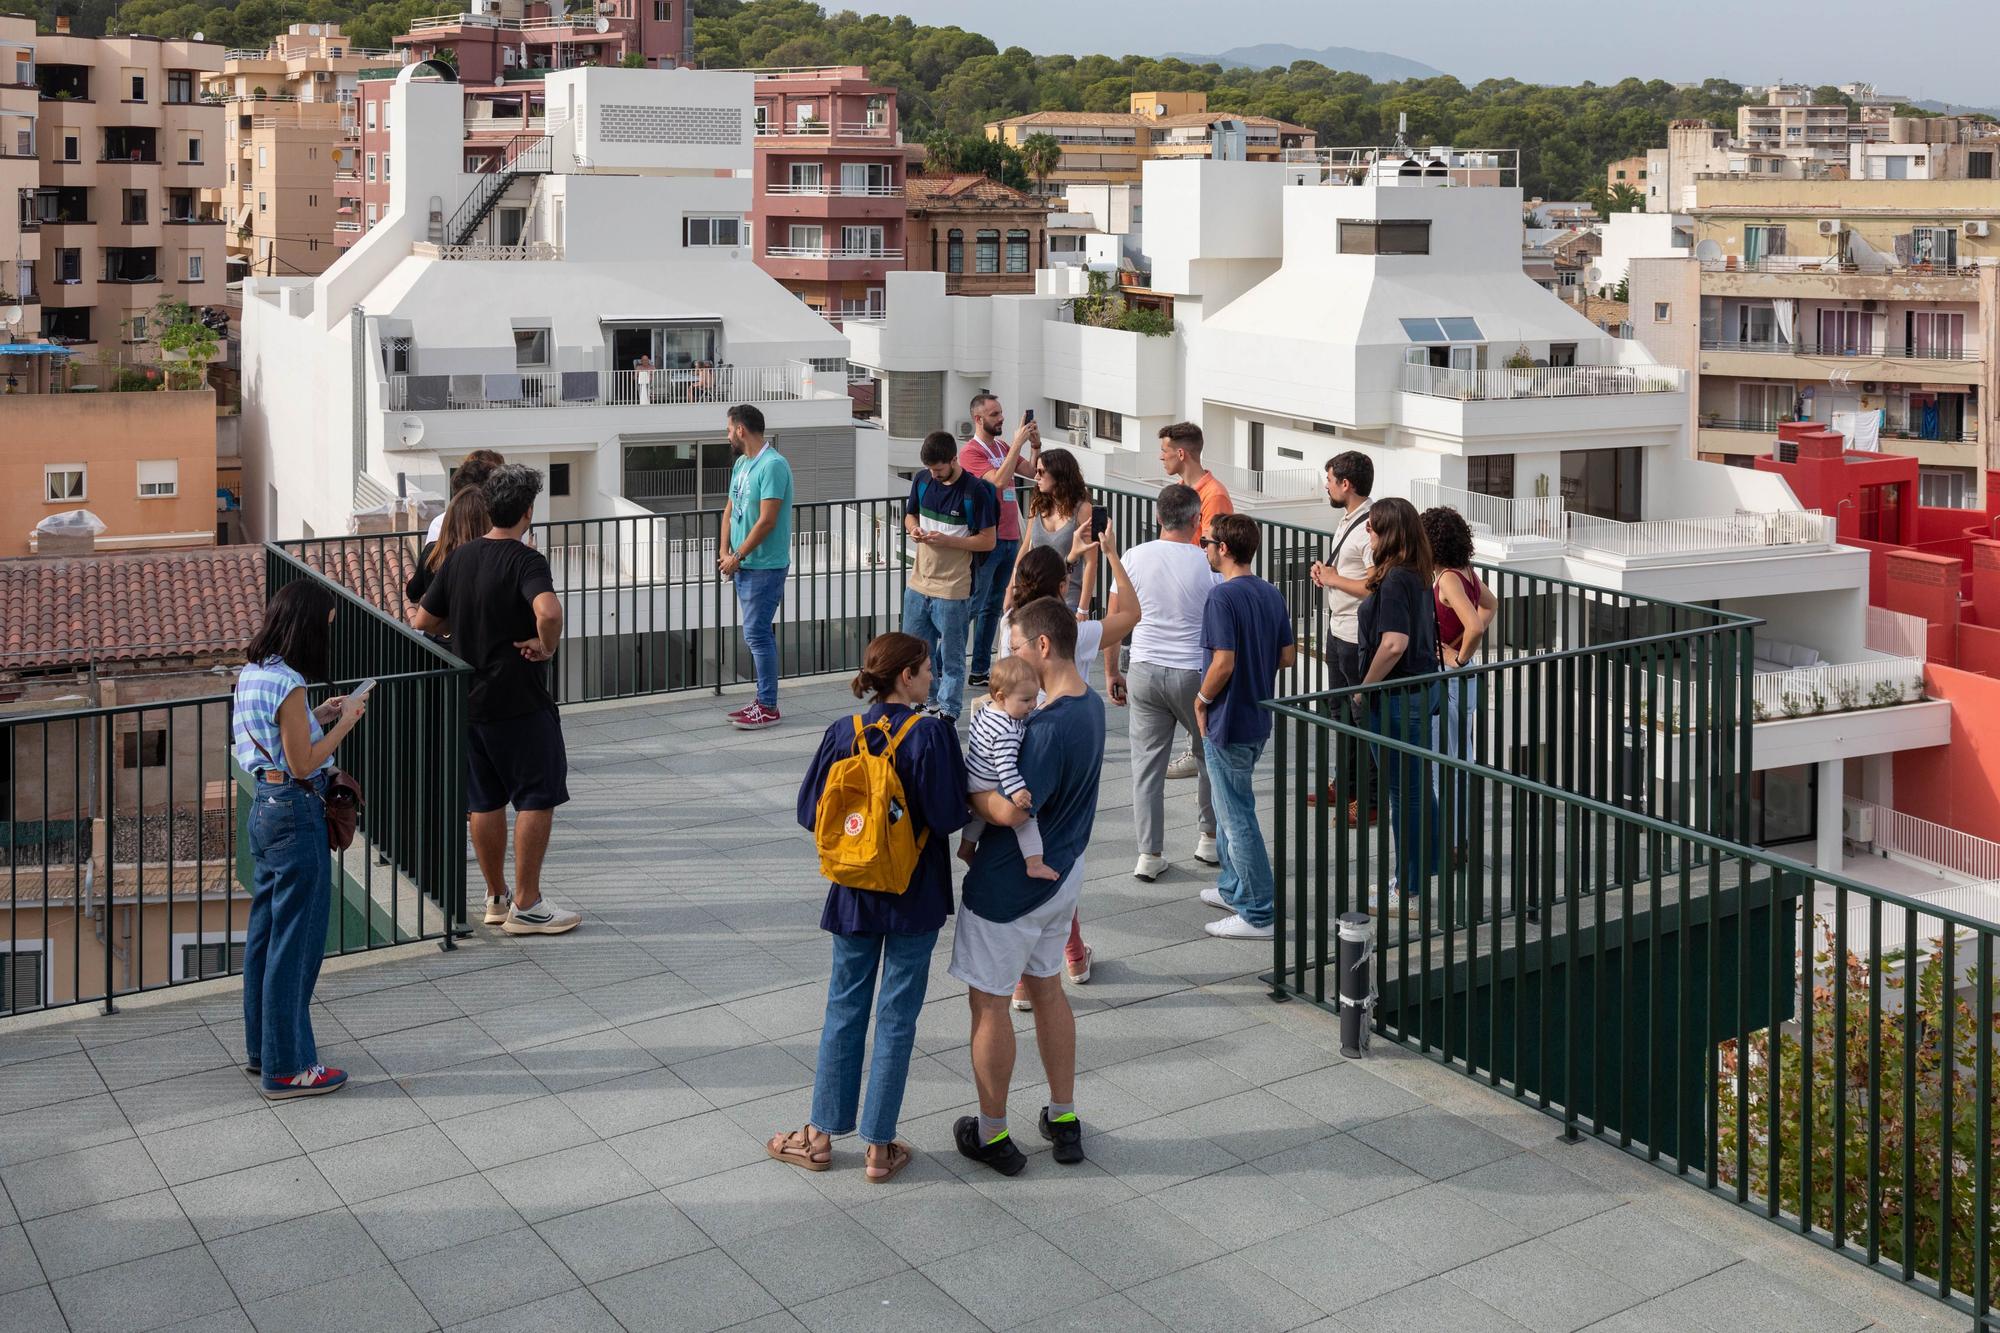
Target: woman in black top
(465,520)
(1398,642)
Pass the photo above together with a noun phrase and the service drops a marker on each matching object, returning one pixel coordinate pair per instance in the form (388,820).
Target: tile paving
(566,1133)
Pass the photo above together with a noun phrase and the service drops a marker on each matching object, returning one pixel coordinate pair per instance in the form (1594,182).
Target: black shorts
(517,761)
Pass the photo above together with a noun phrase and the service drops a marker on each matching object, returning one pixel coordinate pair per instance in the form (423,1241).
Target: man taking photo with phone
(996,461)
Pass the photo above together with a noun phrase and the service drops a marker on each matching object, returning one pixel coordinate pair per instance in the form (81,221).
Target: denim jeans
(1405,715)
(1455,730)
(1246,881)
(758,593)
(905,965)
(291,893)
(989,590)
(940,623)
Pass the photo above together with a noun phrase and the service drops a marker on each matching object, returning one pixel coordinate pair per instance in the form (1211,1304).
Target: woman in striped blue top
(287,749)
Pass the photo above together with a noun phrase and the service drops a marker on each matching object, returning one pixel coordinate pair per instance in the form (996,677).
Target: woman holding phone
(1059,515)
(287,749)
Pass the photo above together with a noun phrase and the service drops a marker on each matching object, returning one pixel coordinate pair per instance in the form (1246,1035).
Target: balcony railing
(1880,266)
(1533,518)
(347,226)
(820,129)
(1698,536)
(1892,831)
(1836,687)
(1808,347)
(830,252)
(589,388)
(1541,382)
(1897,634)
(837,190)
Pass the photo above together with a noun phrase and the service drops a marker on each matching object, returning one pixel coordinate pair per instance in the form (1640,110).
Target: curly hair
(1040,574)
(1066,493)
(1451,538)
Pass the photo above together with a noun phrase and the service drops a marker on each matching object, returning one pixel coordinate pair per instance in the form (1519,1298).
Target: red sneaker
(754,718)
(314,1082)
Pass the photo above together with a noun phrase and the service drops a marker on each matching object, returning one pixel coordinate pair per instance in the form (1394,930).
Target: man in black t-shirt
(497,599)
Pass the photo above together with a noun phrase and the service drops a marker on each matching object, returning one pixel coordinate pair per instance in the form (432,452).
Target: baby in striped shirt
(993,758)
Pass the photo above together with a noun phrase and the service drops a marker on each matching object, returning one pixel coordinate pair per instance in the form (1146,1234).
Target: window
(1108,425)
(720,231)
(263,156)
(138,88)
(72,148)
(558,479)
(760,118)
(513,225)
(1761,243)
(663,11)
(1663,312)
(1936,333)
(1934,245)
(63,482)
(861,240)
(531,348)
(371,215)
(864,178)
(1947,488)
(371,114)
(385,166)
(159,479)
(1461,329)
(194,270)
(809,239)
(138,323)
(180,85)
(806,177)
(371,164)
(1604,483)
(954,251)
(986,252)
(1846,333)
(1017,251)
(1979,166)
(142,749)
(1385,238)
(1490,474)
(135,207)
(69,266)
(20,980)
(263,201)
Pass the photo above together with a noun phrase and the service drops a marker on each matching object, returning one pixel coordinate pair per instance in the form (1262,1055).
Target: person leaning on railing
(1398,622)
(287,749)
(1465,611)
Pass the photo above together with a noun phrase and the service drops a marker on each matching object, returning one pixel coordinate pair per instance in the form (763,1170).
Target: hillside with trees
(952,81)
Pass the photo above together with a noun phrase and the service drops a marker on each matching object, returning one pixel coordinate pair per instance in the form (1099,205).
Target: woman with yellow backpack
(882,798)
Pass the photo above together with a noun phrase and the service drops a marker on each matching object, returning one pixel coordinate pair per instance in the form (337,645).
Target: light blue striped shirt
(260,688)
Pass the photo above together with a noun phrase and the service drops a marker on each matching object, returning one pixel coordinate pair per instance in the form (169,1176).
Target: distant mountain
(1377,65)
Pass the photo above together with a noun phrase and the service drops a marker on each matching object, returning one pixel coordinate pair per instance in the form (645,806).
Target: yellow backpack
(862,825)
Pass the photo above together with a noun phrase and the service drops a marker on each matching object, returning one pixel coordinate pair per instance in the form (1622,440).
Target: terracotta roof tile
(963,185)
(129,606)
(1124,119)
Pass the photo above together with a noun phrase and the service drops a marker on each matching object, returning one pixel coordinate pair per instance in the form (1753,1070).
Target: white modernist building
(1375,301)
(590,308)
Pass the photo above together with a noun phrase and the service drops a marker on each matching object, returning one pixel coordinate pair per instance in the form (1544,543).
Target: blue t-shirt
(932,770)
(752,481)
(1060,759)
(1248,617)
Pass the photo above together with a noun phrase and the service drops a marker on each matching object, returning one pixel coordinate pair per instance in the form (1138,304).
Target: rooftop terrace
(566,1132)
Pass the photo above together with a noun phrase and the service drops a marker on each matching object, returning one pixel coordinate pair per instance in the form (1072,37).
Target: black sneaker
(1067,1135)
(1001,1154)
(979,678)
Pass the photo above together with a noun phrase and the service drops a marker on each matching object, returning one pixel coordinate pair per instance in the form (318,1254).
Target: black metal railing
(522,155)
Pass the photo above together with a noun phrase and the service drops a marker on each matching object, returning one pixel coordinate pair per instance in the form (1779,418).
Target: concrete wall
(108,433)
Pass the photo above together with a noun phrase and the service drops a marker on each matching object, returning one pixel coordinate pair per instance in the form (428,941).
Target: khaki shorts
(991,956)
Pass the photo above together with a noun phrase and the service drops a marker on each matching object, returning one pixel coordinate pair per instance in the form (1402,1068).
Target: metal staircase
(524,155)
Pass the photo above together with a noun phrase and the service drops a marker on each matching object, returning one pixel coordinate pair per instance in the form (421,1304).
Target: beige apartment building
(1869,305)
(108,148)
(291,143)
(1109,147)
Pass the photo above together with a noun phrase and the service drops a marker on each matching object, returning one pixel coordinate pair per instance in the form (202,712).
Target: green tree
(187,344)
(1041,154)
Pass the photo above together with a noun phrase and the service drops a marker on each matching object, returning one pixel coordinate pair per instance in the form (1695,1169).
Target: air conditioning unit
(1870,386)
(1857,823)
(1979,227)
(1871,307)
(1079,438)
(964,430)
(1829,226)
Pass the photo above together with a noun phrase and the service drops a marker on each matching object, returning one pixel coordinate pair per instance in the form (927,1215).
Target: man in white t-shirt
(1350,477)
(1172,579)
(472,470)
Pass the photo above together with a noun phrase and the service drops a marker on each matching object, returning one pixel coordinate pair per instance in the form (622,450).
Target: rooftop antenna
(1402,130)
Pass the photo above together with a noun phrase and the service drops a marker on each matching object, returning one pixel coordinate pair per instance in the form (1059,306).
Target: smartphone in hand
(1028,417)
(1100,519)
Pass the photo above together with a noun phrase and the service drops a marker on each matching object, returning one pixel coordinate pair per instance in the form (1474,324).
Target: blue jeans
(1405,715)
(905,964)
(291,893)
(1246,882)
(940,623)
(989,590)
(1456,733)
(758,593)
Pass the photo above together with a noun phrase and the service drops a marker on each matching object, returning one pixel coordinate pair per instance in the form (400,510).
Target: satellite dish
(201,37)
(1708,251)
(11,315)
(412,431)
(603,24)
(1594,274)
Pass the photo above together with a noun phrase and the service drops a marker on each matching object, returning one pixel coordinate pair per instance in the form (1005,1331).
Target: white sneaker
(497,908)
(1082,978)
(1150,867)
(1205,852)
(1236,928)
(1213,897)
(1183,767)
(544,918)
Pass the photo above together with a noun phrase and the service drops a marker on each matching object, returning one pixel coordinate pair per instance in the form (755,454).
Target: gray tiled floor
(566,1133)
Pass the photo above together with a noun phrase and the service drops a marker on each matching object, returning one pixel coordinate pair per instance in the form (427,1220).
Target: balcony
(825,132)
(1579,402)
(832,252)
(836,191)
(1467,386)
(1828,277)
(1808,360)
(548,389)
(1711,537)
(1512,527)
(1885,350)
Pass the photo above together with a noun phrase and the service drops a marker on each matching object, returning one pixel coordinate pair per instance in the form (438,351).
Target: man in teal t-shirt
(756,544)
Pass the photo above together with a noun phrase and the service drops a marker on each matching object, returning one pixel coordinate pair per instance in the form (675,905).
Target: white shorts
(991,956)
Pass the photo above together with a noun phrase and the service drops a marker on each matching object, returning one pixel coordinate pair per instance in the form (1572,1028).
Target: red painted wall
(1924,585)
(1957,785)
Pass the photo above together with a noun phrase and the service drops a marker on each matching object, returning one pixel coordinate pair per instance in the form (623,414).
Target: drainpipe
(358,357)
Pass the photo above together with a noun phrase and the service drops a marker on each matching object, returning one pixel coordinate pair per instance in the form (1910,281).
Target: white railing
(1696,536)
(1975,858)
(819,129)
(347,226)
(1291,483)
(498,390)
(1541,382)
(1897,634)
(1836,687)
(1980,900)
(532,250)
(839,191)
(829,252)
(1537,516)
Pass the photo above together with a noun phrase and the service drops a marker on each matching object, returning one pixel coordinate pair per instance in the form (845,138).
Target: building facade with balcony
(1376,302)
(491,40)
(985,237)
(513,309)
(1111,147)
(1865,305)
(109,148)
(292,145)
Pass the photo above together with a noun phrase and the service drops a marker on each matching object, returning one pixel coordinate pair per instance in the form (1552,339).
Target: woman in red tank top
(1465,611)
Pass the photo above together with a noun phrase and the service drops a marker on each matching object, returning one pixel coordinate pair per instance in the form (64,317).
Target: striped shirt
(961,508)
(993,755)
(260,688)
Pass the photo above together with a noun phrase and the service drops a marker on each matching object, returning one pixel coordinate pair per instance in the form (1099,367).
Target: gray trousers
(1160,697)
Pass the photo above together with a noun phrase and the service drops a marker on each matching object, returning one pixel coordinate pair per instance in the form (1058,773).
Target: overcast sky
(1922,48)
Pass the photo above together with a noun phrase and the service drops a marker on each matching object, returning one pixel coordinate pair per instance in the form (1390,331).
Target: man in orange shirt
(1180,457)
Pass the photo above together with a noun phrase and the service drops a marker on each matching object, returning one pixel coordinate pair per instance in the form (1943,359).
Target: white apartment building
(1356,300)
(511,309)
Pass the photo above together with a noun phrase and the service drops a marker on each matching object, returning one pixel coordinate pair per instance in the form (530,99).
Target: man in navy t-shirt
(1012,928)
(950,517)
(1247,630)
